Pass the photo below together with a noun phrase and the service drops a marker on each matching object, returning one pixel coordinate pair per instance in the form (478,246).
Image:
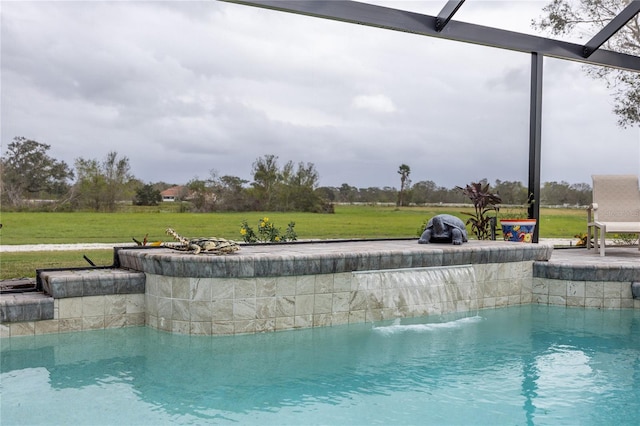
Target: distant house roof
(172,192)
(182,193)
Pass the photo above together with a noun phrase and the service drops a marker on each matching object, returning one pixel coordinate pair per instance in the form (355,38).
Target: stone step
(27,306)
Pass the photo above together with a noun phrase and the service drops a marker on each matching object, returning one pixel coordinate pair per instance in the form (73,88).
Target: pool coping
(326,258)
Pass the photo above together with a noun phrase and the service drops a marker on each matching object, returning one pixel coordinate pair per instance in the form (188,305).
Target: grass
(348,222)
(24,264)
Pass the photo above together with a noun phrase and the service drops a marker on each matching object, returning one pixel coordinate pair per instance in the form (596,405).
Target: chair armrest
(592,210)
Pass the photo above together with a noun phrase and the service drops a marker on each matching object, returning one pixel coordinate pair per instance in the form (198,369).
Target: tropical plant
(582,239)
(485,205)
(404,172)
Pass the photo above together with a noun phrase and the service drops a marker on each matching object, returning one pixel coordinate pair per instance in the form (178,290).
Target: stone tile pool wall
(604,285)
(260,304)
(83,313)
(272,288)
(76,300)
(279,287)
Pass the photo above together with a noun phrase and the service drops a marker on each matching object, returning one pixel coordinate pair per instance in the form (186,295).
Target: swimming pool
(520,365)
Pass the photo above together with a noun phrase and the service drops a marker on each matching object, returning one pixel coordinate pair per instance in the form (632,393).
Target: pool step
(27,306)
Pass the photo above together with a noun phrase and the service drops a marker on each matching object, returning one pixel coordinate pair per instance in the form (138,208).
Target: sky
(184,88)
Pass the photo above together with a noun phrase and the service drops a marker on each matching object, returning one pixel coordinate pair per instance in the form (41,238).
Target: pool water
(518,366)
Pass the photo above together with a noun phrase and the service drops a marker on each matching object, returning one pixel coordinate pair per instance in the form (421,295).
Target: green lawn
(347,222)
(24,264)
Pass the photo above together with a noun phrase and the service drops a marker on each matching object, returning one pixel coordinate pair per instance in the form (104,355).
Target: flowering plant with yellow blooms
(267,232)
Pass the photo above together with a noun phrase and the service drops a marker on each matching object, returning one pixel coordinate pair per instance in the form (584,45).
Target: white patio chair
(615,208)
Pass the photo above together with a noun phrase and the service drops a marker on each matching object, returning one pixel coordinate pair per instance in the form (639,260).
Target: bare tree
(265,178)
(101,184)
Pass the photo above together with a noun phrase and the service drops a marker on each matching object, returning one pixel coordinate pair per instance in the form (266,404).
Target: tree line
(29,175)
(428,192)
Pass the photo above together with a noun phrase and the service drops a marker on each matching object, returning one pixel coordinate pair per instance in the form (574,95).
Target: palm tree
(404,172)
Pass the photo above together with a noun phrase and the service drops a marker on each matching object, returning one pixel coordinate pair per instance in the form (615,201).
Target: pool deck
(619,264)
(621,256)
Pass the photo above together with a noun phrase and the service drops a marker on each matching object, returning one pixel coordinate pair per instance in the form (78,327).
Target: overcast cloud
(182,88)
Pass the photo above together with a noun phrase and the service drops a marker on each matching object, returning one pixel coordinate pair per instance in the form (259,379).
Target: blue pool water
(513,366)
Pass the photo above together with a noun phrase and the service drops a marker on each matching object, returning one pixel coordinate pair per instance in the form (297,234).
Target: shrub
(625,239)
(485,205)
(267,232)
